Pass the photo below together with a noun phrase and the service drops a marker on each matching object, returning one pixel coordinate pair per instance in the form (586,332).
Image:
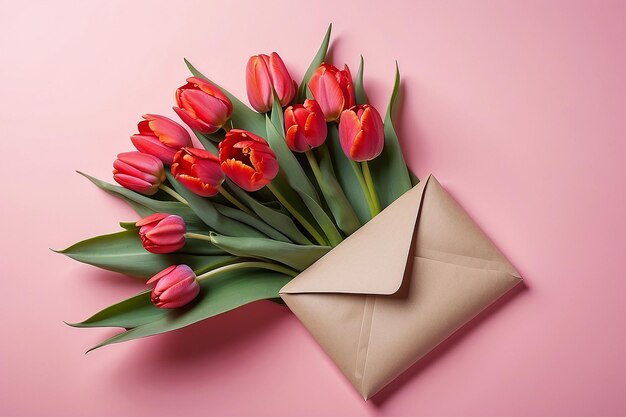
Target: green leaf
(129,226)
(236,214)
(207,143)
(136,310)
(359,89)
(298,257)
(243,117)
(277,116)
(345,175)
(145,206)
(390,173)
(122,252)
(414,179)
(342,210)
(132,312)
(317,61)
(275,218)
(207,212)
(218,295)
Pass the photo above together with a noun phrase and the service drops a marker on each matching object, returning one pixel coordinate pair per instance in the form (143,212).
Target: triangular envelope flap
(446,233)
(370,261)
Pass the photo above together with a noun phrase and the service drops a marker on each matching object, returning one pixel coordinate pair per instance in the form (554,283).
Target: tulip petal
(281,80)
(296,140)
(153,146)
(179,294)
(259,84)
(205,107)
(135,184)
(211,89)
(142,161)
(189,118)
(372,126)
(349,127)
(161,274)
(168,131)
(329,96)
(240,173)
(153,218)
(315,130)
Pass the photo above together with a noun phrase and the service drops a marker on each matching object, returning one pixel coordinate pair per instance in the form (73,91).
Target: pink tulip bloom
(139,172)
(198,170)
(202,105)
(361,133)
(161,137)
(175,286)
(162,232)
(264,73)
(305,126)
(333,90)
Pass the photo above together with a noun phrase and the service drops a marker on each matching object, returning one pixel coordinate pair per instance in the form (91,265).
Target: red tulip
(247,160)
(333,90)
(162,232)
(198,170)
(361,133)
(161,137)
(202,105)
(264,73)
(175,286)
(139,172)
(305,126)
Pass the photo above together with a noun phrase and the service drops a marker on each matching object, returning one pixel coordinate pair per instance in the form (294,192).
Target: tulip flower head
(361,133)
(266,73)
(202,105)
(247,160)
(162,232)
(175,286)
(305,126)
(139,172)
(198,170)
(333,90)
(161,137)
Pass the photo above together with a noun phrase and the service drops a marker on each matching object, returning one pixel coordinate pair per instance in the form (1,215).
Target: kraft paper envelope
(399,286)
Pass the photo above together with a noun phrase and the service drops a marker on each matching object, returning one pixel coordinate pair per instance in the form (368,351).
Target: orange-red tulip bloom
(333,90)
(198,170)
(139,172)
(264,73)
(202,105)
(305,126)
(361,133)
(247,160)
(161,137)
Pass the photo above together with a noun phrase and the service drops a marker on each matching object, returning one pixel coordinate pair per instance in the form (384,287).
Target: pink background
(517,109)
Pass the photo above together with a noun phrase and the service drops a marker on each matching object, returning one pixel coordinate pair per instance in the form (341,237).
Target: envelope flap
(373,259)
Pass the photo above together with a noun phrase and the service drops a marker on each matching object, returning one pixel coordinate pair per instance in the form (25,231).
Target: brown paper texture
(399,286)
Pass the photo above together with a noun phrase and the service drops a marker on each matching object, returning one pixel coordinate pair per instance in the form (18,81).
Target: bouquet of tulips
(270,192)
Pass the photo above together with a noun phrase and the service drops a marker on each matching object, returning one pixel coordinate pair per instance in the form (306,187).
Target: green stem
(317,172)
(308,226)
(370,185)
(228,196)
(252,264)
(366,192)
(198,236)
(173,194)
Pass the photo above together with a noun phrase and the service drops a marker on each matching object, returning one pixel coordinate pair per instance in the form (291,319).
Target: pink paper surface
(517,108)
